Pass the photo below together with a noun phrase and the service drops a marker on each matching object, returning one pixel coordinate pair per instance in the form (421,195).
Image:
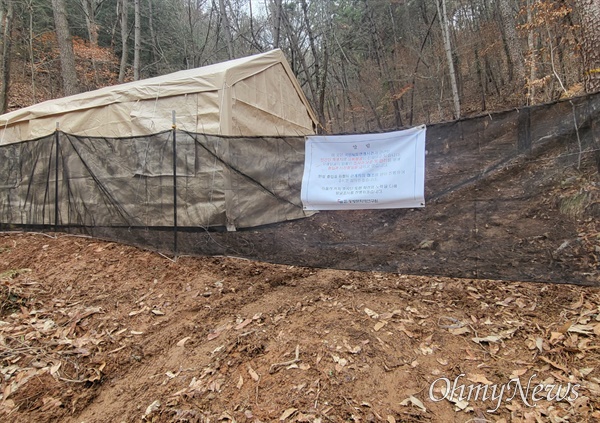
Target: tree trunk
(419,60)
(155,51)
(6,20)
(65,46)
(253,33)
(226,28)
(386,73)
(137,41)
(480,79)
(89,7)
(509,28)
(277,24)
(448,49)
(30,49)
(532,56)
(296,52)
(319,75)
(590,23)
(124,36)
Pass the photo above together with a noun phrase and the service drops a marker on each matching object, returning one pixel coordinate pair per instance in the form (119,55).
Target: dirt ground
(92,331)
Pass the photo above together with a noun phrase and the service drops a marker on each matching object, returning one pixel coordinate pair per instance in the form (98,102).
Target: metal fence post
(56,161)
(174,126)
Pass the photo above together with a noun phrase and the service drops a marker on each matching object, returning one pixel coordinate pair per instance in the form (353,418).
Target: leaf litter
(78,340)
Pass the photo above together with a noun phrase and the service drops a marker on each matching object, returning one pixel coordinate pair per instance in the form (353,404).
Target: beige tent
(255,95)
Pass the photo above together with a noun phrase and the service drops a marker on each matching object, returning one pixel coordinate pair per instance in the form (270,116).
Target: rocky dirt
(92,331)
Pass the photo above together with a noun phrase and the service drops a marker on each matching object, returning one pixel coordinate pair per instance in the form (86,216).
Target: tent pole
(56,144)
(174,126)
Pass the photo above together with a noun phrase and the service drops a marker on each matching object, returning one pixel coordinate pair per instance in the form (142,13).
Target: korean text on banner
(367,171)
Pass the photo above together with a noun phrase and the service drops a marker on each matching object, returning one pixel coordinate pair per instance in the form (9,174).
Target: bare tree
(509,27)
(448,49)
(30,15)
(532,56)
(122,13)
(137,41)
(65,46)
(89,9)
(276,23)
(226,28)
(6,19)
(590,22)
(155,49)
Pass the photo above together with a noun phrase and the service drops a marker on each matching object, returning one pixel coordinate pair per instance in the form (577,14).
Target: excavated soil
(92,331)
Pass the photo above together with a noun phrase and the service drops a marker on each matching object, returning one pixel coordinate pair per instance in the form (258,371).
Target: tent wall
(221,181)
(267,104)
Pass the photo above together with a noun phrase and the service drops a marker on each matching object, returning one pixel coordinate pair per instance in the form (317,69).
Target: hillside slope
(93,331)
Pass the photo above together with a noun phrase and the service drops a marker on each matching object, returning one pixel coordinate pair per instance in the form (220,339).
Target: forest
(365,65)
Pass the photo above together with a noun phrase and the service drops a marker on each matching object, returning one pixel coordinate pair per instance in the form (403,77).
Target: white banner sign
(367,171)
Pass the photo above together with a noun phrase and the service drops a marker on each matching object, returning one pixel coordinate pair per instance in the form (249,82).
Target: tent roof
(197,80)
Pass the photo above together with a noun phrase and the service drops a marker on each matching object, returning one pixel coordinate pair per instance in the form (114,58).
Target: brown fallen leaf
(152,407)
(479,378)
(182,342)
(379,325)
(403,329)
(506,302)
(243,324)
(577,304)
(253,374)
(226,416)
(240,383)
(520,303)
(582,329)
(371,313)
(565,327)
(352,350)
(414,401)
(539,343)
(470,355)
(518,372)
(55,368)
(554,364)
(288,413)
(213,335)
(339,360)
(136,312)
(556,336)
(487,339)
(459,331)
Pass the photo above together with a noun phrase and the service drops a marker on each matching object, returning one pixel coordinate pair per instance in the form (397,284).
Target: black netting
(513,195)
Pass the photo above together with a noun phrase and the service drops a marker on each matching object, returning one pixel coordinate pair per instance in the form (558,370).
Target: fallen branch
(275,367)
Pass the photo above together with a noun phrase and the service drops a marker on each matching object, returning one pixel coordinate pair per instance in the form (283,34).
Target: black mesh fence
(512,195)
